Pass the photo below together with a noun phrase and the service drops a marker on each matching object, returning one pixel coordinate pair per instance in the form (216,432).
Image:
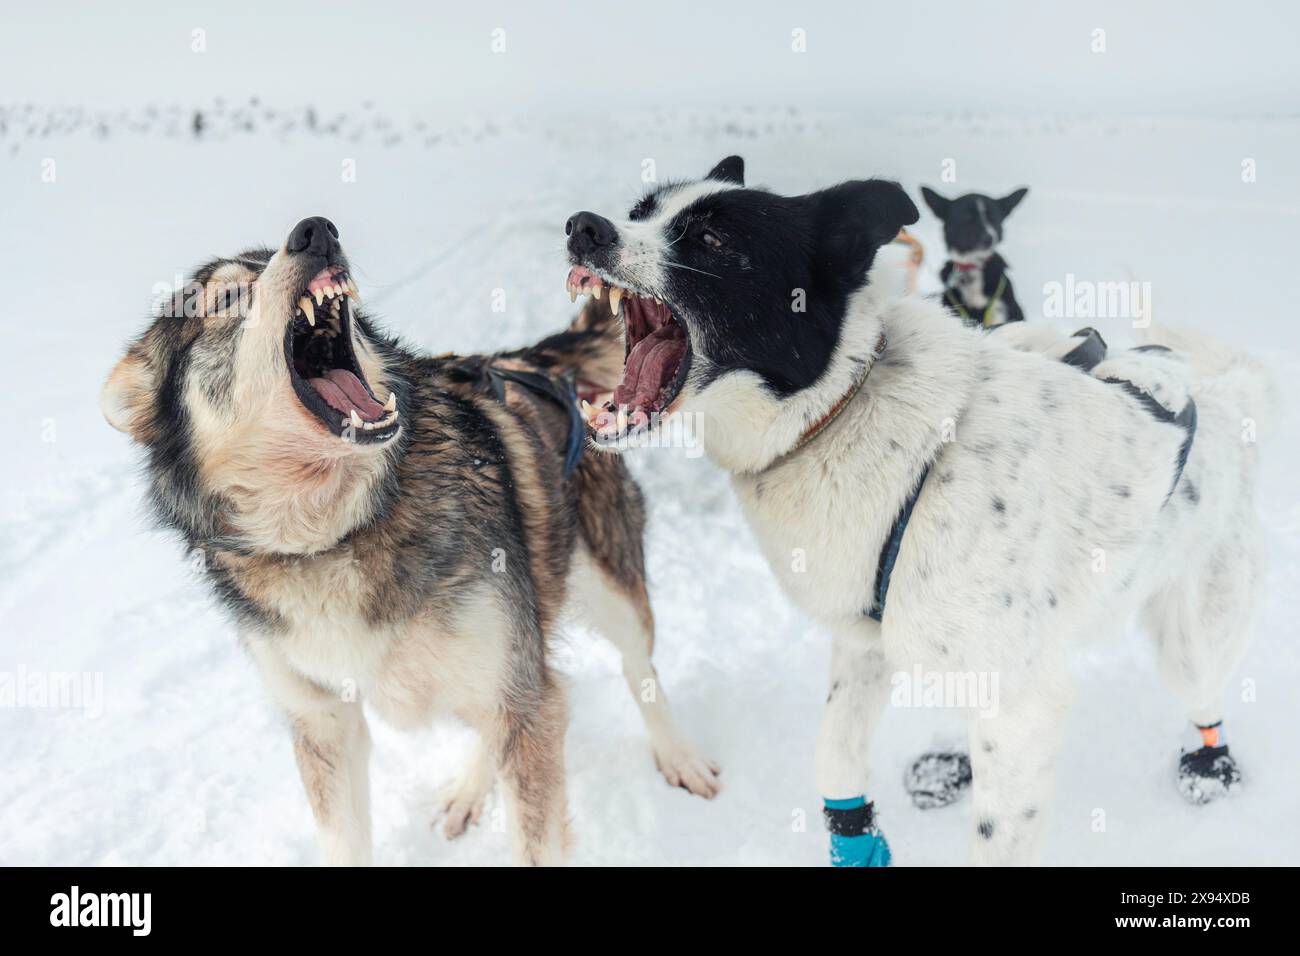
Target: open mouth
(323,366)
(658,357)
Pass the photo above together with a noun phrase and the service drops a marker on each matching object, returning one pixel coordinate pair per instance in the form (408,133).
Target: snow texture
(184,760)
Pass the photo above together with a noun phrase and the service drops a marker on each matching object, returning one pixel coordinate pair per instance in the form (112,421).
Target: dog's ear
(854,219)
(1008,203)
(127,391)
(730,170)
(938,205)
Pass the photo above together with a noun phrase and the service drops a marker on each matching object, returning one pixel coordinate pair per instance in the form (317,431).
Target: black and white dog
(942,501)
(976,284)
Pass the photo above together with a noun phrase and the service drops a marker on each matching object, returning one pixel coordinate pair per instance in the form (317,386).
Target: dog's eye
(710,239)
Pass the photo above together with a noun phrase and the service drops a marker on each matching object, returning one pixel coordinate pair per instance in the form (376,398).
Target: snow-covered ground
(185,761)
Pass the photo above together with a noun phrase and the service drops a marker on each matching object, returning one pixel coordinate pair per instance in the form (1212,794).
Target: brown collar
(841,403)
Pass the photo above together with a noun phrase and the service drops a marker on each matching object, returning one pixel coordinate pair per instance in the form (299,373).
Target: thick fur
(425,575)
(1032,531)
(972,229)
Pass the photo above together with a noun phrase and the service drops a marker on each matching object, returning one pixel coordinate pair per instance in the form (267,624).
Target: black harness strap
(889,553)
(1085,356)
(1088,353)
(561,391)
(1186,420)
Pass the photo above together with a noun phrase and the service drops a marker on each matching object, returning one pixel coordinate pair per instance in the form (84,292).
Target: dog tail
(1231,371)
(590,350)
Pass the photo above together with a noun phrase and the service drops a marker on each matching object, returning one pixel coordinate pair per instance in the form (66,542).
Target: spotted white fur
(1045,521)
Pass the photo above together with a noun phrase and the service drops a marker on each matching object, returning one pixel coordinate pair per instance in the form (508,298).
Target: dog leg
(461,803)
(528,741)
(1013,764)
(623,616)
(609,592)
(858,693)
(331,744)
(1201,628)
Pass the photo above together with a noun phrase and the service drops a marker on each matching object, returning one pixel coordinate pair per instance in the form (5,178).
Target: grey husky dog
(395,529)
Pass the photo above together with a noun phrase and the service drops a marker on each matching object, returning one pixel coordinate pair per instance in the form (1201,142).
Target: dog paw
(683,767)
(937,779)
(460,805)
(1207,774)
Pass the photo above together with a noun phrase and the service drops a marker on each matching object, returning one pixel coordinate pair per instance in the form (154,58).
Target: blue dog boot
(855,838)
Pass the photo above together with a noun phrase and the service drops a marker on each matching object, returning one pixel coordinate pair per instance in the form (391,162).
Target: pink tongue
(324,279)
(584,278)
(648,366)
(343,391)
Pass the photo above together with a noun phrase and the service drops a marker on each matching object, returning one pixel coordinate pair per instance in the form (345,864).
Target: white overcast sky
(1186,58)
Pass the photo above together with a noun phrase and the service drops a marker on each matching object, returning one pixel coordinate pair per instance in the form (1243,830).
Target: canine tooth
(572,289)
(356,419)
(588,410)
(320,296)
(391,404)
(596,291)
(352,286)
(308,310)
(615,294)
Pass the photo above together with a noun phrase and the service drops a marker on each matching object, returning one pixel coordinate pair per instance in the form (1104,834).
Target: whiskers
(647,264)
(678,265)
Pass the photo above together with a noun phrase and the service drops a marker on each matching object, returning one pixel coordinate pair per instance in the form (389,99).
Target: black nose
(588,232)
(315,236)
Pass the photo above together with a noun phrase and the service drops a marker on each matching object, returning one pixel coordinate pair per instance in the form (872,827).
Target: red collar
(968,266)
(832,413)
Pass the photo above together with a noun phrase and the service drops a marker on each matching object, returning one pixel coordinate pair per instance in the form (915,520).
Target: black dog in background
(976,284)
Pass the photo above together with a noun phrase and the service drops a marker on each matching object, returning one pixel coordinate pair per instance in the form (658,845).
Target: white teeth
(356,419)
(352,286)
(588,410)
(320,296)
(369,426)
(615,295)
(308,310)
(596,291)
(391,404)
(337,290)
(572,289)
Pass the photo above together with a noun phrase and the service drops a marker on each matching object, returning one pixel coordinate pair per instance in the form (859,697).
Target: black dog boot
(937,779)
(1209,772)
